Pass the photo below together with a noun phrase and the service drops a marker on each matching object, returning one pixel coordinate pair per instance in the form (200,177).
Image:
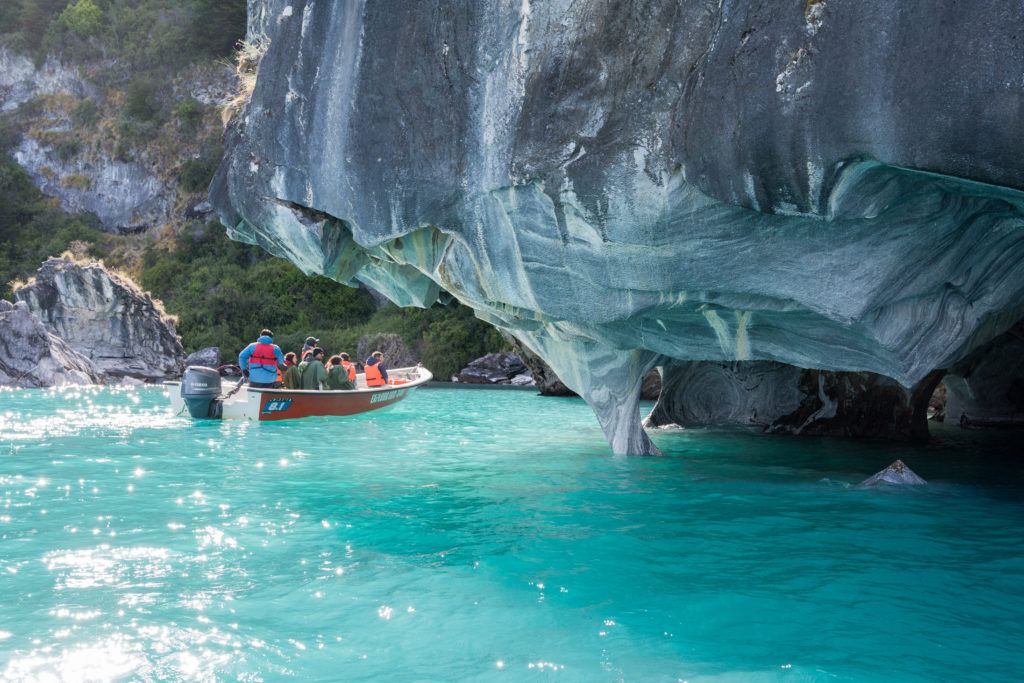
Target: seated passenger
(349,365)
(376,373)
(313,371)
(291,376)
(337,375)
(260,359)
(310,344)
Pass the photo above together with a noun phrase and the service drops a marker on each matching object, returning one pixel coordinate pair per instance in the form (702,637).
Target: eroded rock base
(788,400)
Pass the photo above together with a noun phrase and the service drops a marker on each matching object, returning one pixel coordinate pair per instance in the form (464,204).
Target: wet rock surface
(735,183)
(105,318)
(396,354)
(897,473)
(986,389)
(209,357)
(494,368)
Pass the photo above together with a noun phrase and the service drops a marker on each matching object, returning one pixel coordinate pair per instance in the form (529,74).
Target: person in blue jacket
(260,359)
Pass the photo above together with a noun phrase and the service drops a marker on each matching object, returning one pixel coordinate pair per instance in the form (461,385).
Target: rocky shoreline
(78,323)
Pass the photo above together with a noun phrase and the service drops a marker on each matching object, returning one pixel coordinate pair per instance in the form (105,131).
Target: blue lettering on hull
(276,405)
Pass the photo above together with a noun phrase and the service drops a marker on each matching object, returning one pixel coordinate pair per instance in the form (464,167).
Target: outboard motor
(200,388)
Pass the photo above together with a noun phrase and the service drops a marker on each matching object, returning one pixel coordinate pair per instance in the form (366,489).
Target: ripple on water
(477,534)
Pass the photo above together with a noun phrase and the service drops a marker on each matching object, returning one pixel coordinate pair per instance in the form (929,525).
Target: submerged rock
(105,318)
(735,182)
(31,356)
(896,473)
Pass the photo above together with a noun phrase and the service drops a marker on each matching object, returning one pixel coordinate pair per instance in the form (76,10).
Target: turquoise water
(491,535)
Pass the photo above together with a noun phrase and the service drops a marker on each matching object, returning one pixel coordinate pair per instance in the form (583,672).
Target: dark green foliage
(224,292)
(9,134)
(218,26)
(195,174)
(153,35)
(67,149)
(32,228)
(140,101)
(85,114)
(190,115)
(83,18)
(33,19)
(451,342)
(138,118)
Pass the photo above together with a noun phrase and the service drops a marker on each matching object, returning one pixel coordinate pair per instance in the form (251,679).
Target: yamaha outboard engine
(200,388)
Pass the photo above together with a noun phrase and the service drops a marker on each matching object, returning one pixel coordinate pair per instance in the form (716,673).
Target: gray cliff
(105,318)
(830,185)
(32,356)
(126,195)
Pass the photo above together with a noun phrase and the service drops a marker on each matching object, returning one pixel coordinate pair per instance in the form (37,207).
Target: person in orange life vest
(376,373)
(260,359)
(349,365)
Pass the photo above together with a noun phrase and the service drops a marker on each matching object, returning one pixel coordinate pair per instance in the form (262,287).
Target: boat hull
(269,405)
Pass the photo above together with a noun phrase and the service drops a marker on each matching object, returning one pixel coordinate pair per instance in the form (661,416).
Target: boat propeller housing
(200,387)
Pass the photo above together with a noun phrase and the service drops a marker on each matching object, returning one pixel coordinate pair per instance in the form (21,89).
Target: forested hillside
(136,65)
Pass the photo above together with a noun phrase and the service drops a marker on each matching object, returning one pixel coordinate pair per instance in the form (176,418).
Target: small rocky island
(802,228)
(78,323)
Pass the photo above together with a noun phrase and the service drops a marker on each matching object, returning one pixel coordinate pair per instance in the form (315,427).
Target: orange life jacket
(351,367)
(373,376)
(263,354)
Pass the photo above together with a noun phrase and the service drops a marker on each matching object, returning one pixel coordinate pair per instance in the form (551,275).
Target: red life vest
(351,367)
(263,354)
(373,376)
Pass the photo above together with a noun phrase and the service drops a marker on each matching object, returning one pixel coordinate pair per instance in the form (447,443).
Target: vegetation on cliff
(138,54)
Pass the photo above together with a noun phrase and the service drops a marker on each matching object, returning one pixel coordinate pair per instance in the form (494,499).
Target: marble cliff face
(832,185)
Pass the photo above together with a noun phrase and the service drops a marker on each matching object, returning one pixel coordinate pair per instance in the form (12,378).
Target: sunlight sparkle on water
(168,551)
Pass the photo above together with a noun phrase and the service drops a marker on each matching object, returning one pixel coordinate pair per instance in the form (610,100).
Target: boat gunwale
(419,381)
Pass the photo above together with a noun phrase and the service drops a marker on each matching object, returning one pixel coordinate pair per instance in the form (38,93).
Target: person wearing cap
(260,359)
(313,371)
(308,346)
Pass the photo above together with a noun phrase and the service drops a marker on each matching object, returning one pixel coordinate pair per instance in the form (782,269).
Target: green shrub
(140,100)
(190,115)
(67,149)
(10,135)
(83,18)
(195,175)
(85,114)
(33,228)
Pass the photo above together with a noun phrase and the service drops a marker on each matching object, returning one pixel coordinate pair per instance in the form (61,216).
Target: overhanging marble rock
(732,182)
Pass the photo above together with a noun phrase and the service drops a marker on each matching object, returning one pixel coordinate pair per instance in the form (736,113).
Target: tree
(84,18)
